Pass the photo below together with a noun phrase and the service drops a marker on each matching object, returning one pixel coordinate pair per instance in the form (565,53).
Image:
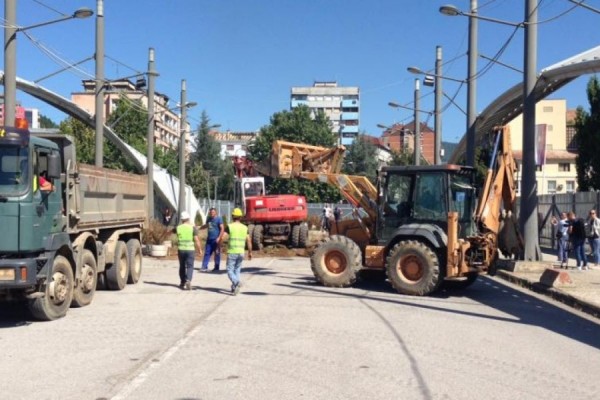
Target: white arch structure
(510,103)
(166,185)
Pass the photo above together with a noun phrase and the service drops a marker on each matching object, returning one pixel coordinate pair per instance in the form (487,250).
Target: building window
(570,186)
(571,143)
(548,109)
(550,128)
(551,187)
(564,167)
(229,147)
(538,168)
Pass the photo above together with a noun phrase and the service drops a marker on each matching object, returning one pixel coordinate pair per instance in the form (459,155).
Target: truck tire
(295,237)
(84,291)
(58,294)
(134,257)
(251,230)
(257,237)
(413,268)
(303,239)
(118,272)
(336,261)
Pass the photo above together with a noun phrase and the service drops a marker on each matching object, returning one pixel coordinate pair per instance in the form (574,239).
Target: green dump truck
(68,227)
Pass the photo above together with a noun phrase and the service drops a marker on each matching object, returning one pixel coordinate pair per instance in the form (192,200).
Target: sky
(240,58)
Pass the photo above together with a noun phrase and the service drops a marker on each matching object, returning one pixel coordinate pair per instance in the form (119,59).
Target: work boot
(187,286)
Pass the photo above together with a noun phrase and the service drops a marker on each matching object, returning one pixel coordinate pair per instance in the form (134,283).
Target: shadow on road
(14,314)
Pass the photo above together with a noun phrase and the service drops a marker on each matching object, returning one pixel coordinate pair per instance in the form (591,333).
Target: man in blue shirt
(213,240)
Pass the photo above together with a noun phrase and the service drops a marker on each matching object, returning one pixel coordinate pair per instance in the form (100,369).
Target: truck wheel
(257,237)
(58,294)
(295,237)
(134,256)
(303,239)
(251,230)
(460,283)
(84,291)
(117,273)
(413,268)
(336,261)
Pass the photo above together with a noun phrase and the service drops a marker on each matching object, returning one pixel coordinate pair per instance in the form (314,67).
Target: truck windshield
(15,176)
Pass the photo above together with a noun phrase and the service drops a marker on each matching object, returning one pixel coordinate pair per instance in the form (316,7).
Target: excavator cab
(415,198)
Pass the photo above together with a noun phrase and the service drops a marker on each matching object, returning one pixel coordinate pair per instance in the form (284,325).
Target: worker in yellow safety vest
(238,240)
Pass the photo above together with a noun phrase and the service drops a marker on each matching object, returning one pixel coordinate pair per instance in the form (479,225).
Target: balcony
(350,129)
(349,116)
(350,103)
(296,103)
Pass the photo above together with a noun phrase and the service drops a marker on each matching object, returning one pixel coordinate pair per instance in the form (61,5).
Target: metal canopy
(510,103)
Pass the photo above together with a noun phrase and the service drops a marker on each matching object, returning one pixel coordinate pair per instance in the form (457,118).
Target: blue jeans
(211,247)
(234,266)
(595,245)
(563,250)
(579,249)
(186,265)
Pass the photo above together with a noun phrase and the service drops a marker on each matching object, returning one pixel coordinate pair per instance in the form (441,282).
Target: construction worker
(238,238)
(187,245)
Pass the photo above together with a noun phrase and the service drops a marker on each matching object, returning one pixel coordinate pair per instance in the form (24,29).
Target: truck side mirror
(54,167)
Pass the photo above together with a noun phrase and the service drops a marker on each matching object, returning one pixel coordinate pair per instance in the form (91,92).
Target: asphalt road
(286,337)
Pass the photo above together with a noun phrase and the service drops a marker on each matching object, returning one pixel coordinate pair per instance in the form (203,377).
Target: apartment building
(341,104)
(401,137)
(167,121)
(557,172)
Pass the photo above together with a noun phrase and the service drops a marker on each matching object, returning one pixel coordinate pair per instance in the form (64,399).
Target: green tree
(206,164)
(587,126)
(404,157)
(84,139)
(46,122)
(296,126)
(129,121)
(361,158)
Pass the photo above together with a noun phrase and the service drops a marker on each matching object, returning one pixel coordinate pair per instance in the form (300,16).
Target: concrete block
(556,278)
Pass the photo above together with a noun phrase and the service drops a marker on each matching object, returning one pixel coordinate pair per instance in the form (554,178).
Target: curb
(556,294)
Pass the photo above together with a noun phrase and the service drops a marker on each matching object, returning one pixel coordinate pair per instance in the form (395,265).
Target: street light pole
(438,106)
(417,130)
(528,212)
(182,135)
(10,53)
(152,74)
(10,61)
(472,84)
(99,82)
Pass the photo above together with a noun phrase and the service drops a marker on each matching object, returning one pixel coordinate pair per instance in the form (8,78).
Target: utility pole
(472,85)
(99,82)
(528,213)
(152,74)
(417,123)
(182,135)
(438,106)
(10,61)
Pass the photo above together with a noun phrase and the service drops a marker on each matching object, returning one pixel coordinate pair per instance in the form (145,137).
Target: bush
(156,232)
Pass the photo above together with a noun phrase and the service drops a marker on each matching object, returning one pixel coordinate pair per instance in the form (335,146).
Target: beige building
(166,121)
(558,174)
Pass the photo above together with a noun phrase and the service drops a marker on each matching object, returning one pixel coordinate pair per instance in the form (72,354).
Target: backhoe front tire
(336,261)
(58,293)
(413,268)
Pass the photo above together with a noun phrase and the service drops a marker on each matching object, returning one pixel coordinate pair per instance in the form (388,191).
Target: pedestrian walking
(215,226)
(593,235)
(337,214)
(167,216)
(238,239)
(577,237)
(187,245)
(562,237)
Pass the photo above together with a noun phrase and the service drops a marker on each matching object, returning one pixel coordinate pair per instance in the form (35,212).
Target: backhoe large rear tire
(118,272)
(85,290)
(413,268)
(58,294)
(336,261)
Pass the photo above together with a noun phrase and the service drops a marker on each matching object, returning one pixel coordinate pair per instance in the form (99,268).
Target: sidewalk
(578,289)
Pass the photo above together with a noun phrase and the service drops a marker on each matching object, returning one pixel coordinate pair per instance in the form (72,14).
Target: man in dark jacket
(577,237)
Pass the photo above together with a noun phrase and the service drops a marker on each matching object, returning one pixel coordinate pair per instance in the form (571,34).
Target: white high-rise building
(341,104)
